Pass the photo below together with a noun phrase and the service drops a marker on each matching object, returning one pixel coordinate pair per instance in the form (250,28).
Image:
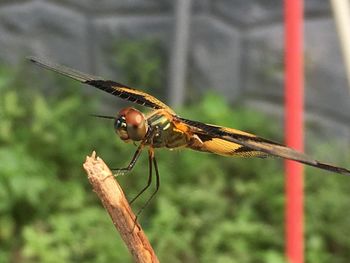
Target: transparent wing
(63,70)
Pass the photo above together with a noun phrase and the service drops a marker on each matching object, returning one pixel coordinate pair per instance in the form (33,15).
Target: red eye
(136,124)
(134,117)
(124,111)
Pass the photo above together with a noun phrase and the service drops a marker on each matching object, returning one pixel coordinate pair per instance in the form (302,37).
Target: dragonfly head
(131,124)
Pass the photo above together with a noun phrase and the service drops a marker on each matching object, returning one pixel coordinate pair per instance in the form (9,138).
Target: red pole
(294,128)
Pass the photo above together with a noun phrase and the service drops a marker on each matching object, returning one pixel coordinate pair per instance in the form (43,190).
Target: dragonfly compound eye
(131,125)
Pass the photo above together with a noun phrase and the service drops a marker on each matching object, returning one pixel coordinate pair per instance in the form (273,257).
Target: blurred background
(217,61)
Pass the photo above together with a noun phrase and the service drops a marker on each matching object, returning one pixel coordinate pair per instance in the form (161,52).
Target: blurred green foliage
(142,64)
(209,208)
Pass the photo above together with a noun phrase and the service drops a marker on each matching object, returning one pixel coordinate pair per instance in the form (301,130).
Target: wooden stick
(114,201)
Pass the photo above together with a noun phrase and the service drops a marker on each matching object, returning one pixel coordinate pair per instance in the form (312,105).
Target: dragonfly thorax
(131,125)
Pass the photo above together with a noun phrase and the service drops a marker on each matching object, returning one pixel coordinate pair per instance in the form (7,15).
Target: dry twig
(114,201)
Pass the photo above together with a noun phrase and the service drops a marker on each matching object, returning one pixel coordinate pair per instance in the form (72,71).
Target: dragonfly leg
(121,171)
(157,183)
(150,164)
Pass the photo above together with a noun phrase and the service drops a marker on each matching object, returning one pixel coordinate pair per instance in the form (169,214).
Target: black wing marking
(130,94)
(259,144)
(109,86)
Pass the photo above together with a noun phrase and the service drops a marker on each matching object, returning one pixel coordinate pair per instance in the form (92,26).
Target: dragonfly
(162,127)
